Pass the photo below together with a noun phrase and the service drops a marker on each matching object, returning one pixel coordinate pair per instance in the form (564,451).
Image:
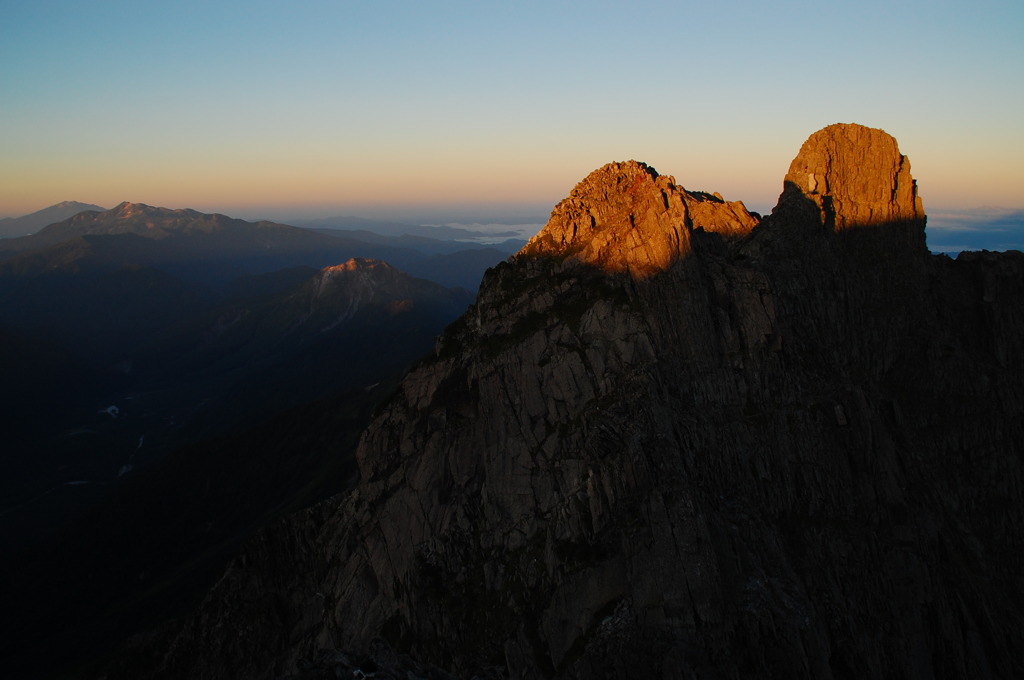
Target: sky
(477,110)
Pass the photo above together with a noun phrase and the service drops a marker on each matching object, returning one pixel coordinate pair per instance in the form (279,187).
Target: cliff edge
(673,440)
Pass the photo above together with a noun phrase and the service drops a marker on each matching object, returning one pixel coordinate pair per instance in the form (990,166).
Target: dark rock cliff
(673,440)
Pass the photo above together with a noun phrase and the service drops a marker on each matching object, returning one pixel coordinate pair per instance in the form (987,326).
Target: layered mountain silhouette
(177,361)
(155,301)
(674,440)
(170,389)
(213,249)
(107,282)
(192,245)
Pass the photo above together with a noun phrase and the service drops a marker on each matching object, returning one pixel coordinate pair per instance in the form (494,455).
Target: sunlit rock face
(626,217)
(857,176)
(668,443)
(851,178)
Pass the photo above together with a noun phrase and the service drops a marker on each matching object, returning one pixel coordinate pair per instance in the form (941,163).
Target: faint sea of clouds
(953,231)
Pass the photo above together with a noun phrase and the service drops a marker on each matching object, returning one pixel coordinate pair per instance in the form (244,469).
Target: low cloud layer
(952,231)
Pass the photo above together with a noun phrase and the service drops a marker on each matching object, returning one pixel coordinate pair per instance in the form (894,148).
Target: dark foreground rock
(673,440)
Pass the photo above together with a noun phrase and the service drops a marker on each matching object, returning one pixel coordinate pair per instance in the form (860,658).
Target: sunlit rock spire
(848,176)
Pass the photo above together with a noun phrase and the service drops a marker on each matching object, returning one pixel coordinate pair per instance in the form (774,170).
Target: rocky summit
(626,217)
(675,440)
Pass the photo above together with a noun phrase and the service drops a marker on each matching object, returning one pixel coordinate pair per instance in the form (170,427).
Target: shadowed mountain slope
(124,492)
(671,440)
(345,327)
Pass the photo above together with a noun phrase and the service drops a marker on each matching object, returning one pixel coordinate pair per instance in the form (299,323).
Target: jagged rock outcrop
(668,443)
(626,217)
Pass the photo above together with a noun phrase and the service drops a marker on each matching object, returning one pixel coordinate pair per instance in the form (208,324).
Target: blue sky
(404,108)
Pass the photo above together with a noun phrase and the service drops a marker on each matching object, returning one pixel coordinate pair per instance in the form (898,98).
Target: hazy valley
(142,345)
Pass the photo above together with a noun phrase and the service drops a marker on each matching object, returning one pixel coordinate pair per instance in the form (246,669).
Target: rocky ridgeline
(673,441)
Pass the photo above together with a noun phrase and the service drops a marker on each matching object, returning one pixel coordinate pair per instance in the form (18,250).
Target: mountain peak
(624,216)
(361,277)
(74,205)
(359,264)
(847,176)
(127,210)
(367,271)
(338,292)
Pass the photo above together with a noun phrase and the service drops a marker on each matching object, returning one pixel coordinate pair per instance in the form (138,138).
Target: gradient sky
(399,108)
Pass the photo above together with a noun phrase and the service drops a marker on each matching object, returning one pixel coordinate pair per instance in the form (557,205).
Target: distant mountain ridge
(213,248)
(160,223)
(15,227)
